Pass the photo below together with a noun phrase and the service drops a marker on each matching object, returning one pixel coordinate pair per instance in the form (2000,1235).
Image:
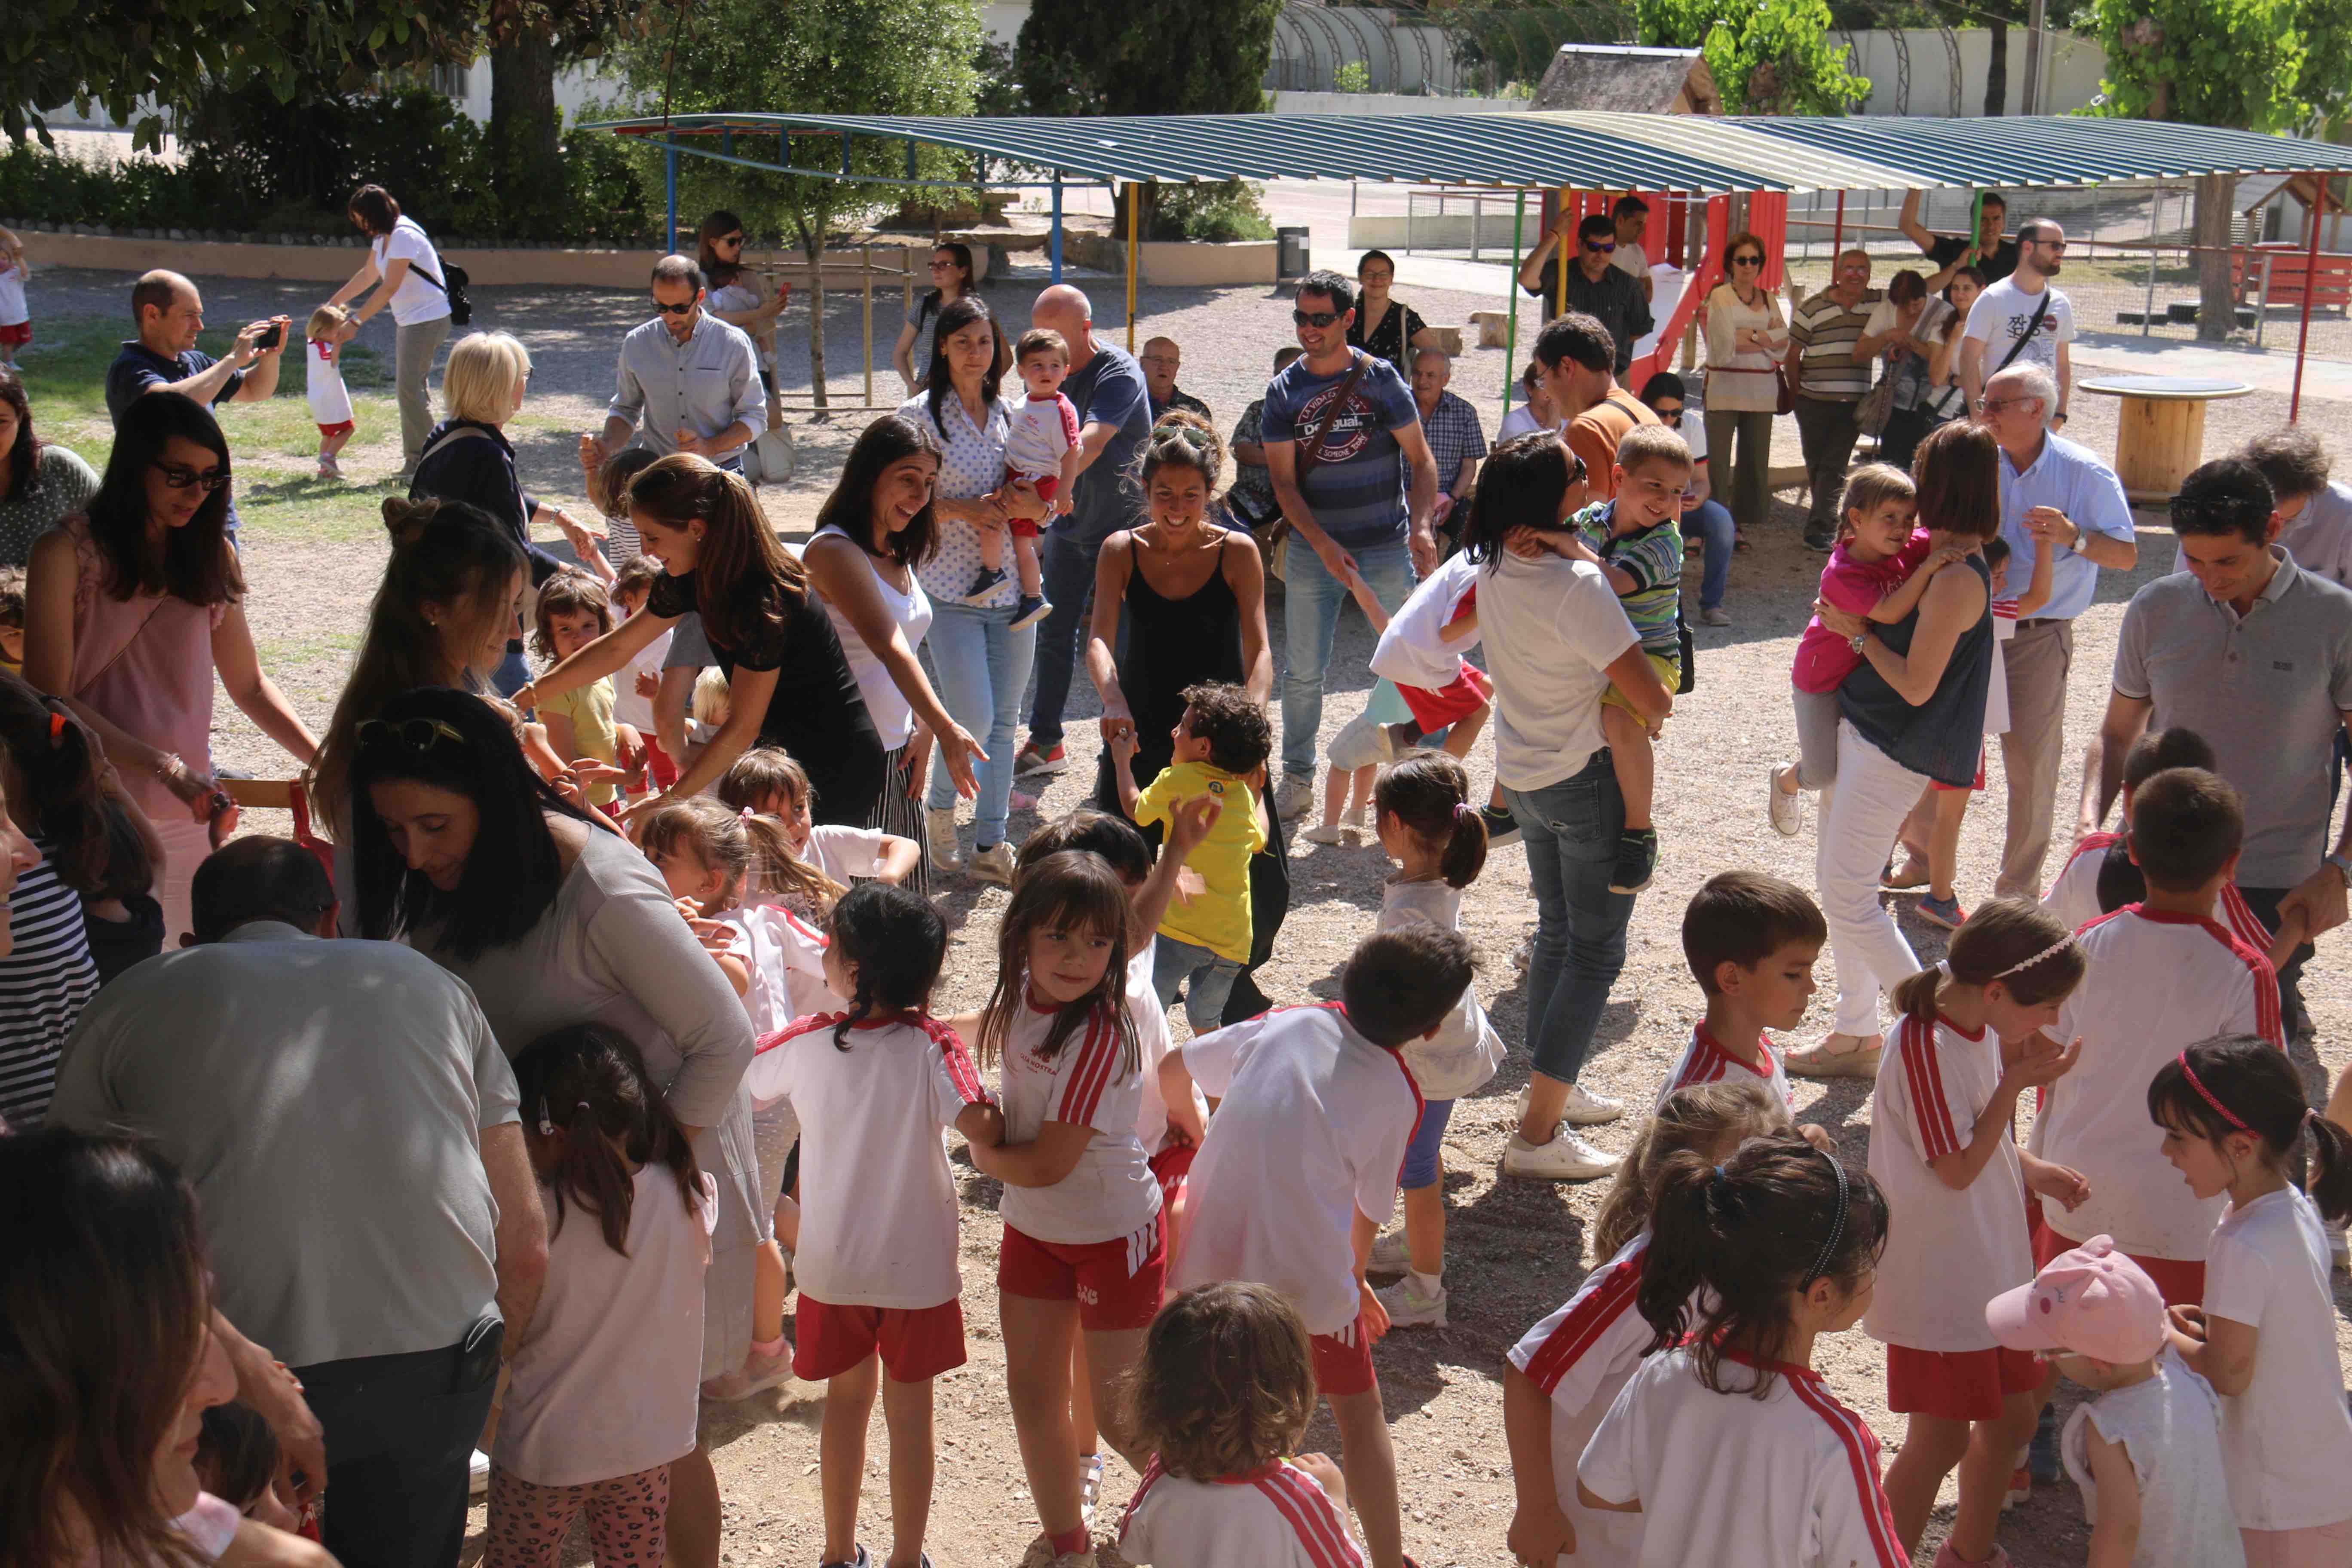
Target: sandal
(1738,539)
(1906,882)
(1821,1062)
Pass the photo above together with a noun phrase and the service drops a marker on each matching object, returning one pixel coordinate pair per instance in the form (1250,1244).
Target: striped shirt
(46,981)
(1579,1357)
(1704,1061)
(1827,331)
(1089,1081)
(1276,1517)
(1652,557)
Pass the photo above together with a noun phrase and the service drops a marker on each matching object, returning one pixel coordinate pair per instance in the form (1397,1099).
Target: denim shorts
(1424,1157)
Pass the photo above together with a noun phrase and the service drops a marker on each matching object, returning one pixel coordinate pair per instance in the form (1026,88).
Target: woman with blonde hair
(468,458)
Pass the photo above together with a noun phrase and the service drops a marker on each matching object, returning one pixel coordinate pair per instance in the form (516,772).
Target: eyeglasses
(1748,261)
(2047,244)
(677,309)
(417,735)
(179,477)
(1171,361)
(1671,416)
(1317,319)
(1995,405)
(1599,248)
(729,239)
(943,266)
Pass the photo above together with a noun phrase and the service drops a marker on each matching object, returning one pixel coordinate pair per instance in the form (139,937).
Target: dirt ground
(1517,1247)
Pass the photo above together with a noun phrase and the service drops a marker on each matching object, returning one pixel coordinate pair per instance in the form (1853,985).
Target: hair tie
(546,1125)
(746,815)
(2207,1095)
(56,726)
(1837,1223)
(2060,945)
(1727,1198)
(1944,967)
(1462,812)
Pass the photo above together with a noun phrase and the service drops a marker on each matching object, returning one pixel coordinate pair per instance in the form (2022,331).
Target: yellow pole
(866,263)
(1134,205)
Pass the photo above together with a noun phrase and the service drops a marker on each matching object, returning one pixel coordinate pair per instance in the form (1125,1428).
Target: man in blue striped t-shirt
(1361,502)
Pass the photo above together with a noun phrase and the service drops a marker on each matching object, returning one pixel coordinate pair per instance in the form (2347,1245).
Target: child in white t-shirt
(603,1399)
(873,1087)
(329,327)
(15,319)
(1751,941)
(1224,1486)
(1565,1372)
(1042,447)
(768,781)
(1429,827)
(1298,1171)
(2233,1118)
(1970,1043)
(2147,1451)
(1730,1445)
(635,683)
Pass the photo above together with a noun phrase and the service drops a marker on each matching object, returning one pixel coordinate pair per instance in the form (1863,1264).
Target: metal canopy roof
(1577,149)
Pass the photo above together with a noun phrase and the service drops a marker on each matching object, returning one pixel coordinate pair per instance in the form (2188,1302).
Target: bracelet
(168,767)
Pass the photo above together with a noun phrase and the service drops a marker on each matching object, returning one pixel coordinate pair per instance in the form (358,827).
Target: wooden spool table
(2160,435)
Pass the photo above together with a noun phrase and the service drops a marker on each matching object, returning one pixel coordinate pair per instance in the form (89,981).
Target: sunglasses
(729,239)
(677,309)
(417,735)
(1317,319)
(1599,248)
(1671,416)
(1748,261)
(180,478)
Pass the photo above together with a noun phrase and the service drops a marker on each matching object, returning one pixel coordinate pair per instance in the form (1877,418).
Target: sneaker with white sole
(1390,1255)
(1034,758)
(1787,811)
(1408,1308)
(1295,796)
(1090,1480)
(993,864)
(1582,1108)
(1567,1158)
(477,1474)
(1502,827)
(940,839)
(1324,832)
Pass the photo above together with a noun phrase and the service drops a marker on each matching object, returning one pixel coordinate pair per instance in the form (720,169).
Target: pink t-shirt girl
(1824,658)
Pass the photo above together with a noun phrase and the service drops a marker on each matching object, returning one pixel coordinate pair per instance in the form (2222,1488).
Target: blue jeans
(1066,566)
(1311,600)
(513,673)
(1424,1157)
(981,665)
(1710,522)
(1211,979)
(1569,830)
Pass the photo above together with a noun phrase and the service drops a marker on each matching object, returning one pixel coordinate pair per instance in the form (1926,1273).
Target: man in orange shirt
(1577,356)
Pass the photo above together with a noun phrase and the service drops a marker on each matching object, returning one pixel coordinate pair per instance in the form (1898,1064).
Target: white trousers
(1862,814)
(185,845)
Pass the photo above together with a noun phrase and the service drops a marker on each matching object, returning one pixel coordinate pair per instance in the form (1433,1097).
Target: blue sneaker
(1944,912)
(2041,1454)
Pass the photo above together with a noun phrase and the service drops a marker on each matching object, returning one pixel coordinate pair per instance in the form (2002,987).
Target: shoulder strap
(2032,327)
(413,266)
(1312,452)
(458,434)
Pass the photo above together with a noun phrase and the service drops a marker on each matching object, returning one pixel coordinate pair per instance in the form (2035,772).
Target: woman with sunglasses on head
(951,279)
(467,853)
(741,297)
(131,608)
(1747,336)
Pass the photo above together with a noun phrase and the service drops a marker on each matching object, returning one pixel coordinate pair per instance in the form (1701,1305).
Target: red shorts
(17,336)
(1958,1385)
(1046,485)
(916,1342)
(1171,1165)
(1979,780)
(1433,710)
(1343,1362)
(660,769)
(329,432)
(2181,1283)
(1114,1283)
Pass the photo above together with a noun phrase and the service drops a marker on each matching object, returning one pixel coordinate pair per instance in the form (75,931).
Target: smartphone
(272,338)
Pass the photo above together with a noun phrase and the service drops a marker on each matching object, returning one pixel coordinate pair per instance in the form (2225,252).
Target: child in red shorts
(15,320)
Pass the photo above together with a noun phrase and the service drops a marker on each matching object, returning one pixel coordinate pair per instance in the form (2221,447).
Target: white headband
(2060,945)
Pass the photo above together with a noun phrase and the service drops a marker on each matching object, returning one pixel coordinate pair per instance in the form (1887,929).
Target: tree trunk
(813,246)
(1995,98)
(525,132)
(2217,311)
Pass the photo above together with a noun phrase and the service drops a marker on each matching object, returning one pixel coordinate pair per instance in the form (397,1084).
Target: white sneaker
(1358,817)
(940,839)
(477,1474)
(1295,796)
(1408,1308)
(1390,1255)
(1523,956)
(1321,834)
(1567,1158)
(993,864)
(1787,811)
(1090,1478)
(1582,1108)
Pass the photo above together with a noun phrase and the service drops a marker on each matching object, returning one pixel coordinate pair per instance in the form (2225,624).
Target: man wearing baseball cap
(2147,1451)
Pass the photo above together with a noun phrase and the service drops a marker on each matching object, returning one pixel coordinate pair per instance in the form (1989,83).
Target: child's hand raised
(1123,745)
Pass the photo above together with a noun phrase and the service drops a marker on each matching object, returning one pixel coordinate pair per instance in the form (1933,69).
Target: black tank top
(1169,645)
(1944,736)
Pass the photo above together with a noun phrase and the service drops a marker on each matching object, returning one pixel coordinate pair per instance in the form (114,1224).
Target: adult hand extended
(961,755)
(593,453)
(1117,725)
(1422,541)
(1336,560)
(2318,900)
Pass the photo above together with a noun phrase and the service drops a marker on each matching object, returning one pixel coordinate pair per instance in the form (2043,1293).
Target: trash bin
(1290,260)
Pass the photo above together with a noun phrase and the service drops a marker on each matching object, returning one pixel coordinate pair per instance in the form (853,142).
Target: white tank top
(894,720)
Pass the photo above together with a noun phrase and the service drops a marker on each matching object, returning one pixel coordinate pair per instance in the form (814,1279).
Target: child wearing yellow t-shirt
(574,611)
(1222,744)
(12,619)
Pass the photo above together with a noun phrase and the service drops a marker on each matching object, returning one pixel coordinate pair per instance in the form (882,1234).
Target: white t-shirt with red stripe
(878,1204)
(2158,983)
(1704,1061)
(1790,1480)
(1110,1193)
(1151,1036)
(1580,1357)
(1280,1517)
(785,957)
(1947,1251)
(2073,898)
(1310,1132)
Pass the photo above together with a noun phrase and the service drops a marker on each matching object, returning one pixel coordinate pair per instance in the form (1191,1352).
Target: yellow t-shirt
(590,709)
(1219,919)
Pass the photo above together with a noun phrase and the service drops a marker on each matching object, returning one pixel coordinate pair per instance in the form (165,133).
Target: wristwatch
(2342,866)
(1858,642)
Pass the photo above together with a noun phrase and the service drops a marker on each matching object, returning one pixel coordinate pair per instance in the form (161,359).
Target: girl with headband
(1971,1043)
(2234,1119)
(1784,1242)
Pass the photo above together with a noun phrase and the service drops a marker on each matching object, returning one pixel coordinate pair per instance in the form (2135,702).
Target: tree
(2251,64)
(812,57)
(1772,56)
(527,42)
(1173,56)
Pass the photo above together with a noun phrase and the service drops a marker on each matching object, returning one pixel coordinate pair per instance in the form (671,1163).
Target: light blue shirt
(703,385)
(2066,477)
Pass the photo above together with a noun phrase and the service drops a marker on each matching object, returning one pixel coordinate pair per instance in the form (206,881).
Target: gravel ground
(1518,1248)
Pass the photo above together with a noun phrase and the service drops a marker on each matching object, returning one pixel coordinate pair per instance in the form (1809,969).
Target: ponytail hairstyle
(53,769)
(1524,480)
(753,850)
(2014,941)
(1074,889)
(582,1088)
(2243,1085)
(1429,792)
(747,585)
(896,943)
(1179,438)
(1752,1232)
(1707,1119)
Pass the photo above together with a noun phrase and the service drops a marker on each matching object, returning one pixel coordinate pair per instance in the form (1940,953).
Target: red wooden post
(2310,286)
(1837,234)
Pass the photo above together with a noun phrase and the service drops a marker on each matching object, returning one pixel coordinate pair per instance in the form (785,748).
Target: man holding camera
(169,314)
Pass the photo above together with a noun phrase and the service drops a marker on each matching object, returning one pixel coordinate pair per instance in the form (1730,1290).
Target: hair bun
(405,519)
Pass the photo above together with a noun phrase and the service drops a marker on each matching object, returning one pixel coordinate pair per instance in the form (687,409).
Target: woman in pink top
(131,607)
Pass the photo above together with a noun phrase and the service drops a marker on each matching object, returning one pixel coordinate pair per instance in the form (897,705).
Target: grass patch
(303,509)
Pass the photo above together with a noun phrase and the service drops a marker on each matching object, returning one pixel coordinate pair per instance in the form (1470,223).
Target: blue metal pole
(670,161)
(1056,243)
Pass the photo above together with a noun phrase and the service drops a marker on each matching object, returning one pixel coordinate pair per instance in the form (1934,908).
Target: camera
(271,339)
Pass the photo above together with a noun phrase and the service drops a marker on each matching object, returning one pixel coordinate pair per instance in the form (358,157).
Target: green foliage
(996,88)
(1172,57)
(1219,213)
(2257,65)
(1353,76)
(1771,56)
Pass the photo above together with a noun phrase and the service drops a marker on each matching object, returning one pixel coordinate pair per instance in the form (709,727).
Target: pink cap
(2092,1301)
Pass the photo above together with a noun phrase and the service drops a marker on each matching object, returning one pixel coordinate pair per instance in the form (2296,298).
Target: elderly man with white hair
(1452,427)
(2054,496)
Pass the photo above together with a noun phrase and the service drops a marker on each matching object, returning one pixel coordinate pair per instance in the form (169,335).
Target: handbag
(461,308)
(1877,405)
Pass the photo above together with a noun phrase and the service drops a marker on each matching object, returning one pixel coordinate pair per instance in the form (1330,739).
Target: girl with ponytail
(789,682)
(1751,1261)
(1429,827)
(603,1395)
(2234,1119)
(1970,1042)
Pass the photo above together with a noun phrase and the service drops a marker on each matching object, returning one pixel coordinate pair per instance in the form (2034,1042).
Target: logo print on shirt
(1351,432)
(2017,324)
